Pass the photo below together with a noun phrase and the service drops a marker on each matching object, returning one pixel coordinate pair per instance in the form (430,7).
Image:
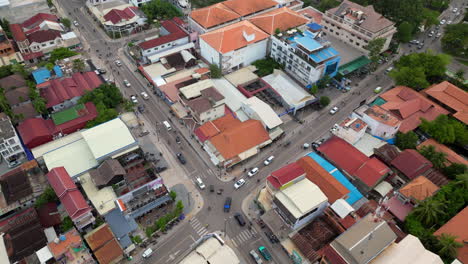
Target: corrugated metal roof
(264,111)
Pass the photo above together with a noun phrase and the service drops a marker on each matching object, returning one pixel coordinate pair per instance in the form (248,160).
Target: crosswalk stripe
(201,230)
(234,242)
(195,225)
(204,232)
(244,236)
(198,230)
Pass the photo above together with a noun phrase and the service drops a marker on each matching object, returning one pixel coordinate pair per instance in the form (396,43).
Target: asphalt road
(104,52)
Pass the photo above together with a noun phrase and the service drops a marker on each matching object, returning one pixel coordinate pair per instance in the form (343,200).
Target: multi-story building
(306,55)
(357,25)
(6,47)
(10,144)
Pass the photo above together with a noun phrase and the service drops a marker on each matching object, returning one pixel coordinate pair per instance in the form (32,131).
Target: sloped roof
(452,156)
(17,32)
(286,174)
(104,245)
(17,95)
(234,36)
(411,163)
(106,171)
(26,110)
(15,185)
(117,15)
(382,115)
(245,8)
(213,128)
(72,239)
(420,188)
(49,215)
(410,106)
(332,188)
(451,96)
(41,36)
(281,18)
(175,33)
(213,15)
(234,141)
(457,227)
(39,18)
(11,81)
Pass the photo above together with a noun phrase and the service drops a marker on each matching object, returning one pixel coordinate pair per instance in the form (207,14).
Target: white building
(99,2)
(300,203)
(351,129)
(119,17)
(256,109)
(234,46)
(381,122)
(212,249)
(306,55)
(357,25)
(10,144)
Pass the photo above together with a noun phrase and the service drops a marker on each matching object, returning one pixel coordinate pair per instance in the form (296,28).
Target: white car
(76,23)
(134,99)
(438,35)
(334,128)
(442,21)
(252,172)
(455,10)
(269,160)
(126,83)
(449,22)
(458,13)
(239,183)
(118,63)
(334,110)
(144,95)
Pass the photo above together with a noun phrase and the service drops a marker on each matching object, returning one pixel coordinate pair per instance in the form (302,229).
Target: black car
(240,219)
(181,158)
(102,71)
(177,139)
(141,108)
(227,204)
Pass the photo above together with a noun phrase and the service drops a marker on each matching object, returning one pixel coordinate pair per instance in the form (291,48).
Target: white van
(167,125)
(200,183)
(388,70)
(147,253)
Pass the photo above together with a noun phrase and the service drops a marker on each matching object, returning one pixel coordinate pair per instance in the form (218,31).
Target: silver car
(256,257)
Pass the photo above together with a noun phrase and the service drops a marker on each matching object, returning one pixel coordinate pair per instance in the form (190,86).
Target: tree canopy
(266,66)
(375,48)
(324,101)
(106,98)
(66,22)
(454,169)
(455,40)
(405,32)
(61,53)
(215,71)
(159,10)
(406,140)
(437,158)
(446,130)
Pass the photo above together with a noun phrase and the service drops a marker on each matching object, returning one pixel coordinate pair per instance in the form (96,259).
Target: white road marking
(204,233)
(234,243)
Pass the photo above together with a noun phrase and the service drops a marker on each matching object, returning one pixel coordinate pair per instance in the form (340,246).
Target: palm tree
(429,212)
(462,180)
(460,74)
(448,246)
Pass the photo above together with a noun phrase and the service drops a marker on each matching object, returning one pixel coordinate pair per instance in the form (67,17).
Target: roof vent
(358,125)
(63,238)
(56,240)
(248,37)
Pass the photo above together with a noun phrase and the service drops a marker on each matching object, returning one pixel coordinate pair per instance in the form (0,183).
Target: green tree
(429,211)
(20,69)
(314,89)
(446,130)
(6,27)
(462,180)
(61,53)
(40,105)
(431,17)
(405,32)
(448,247)
(375,47)
(79,65)
(277,31)
(66,225)
(460,74)
(453,170)
(324,101)
(215,71)
(66,22)
(407,140)
(437,158)
(173,195)
(50,3)
(266,66)
(160,10)
(5,71)
(47,196)
(322,83)
(455,40)
(327,4)
(411,77)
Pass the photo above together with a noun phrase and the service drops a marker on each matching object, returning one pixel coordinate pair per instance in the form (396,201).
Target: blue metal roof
(308,43)
(41,75)
(354,194)
(58,71)
(314,26)
(121,226)
(323,54)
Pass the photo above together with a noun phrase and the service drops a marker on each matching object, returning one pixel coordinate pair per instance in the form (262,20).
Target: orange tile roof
(451,96)
(419,188)
(330,186)
(213,15)
(452,156)
(314,15)
(104,245)
(457,227)
(233,37)
(410,106)
(99,236)
(109,253)
(213,128)
(282,18)
(240,138)
(72,239)
(247,7)
(226,122)
(382,116)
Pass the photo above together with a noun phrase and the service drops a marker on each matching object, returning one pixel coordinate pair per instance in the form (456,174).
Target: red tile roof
(236,140)
(419,189)
(330,186)
(281,18)
(32,55)
(175,33)
(213,128)
(39,18)
(17,32)
(411,163)
(245,8)
(68,193)
(314,15)
(398,208)
(354,162)
(450,95)
(41,36)
(233,37)
(286,174)
(116,16)
(410,106)
(58,91)
(457,227)
(104,244)
(213,15)
(49,215)
(452,156)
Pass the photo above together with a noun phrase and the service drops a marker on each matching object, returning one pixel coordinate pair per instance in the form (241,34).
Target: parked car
(144,95)
(455,10)
(181,158)
(212,188)
(378,89)
(147,253)
(239,183)
(102,71)
(269,160)
(334,128)
(141,108)
(449,22)
(227,205)
(256,257)
(252,172)
(134,99)
(118,63)
(14,163)
(442,22)
(265,253)
(334,110)
(126,83)
(240,219)
(75,23)
(177,140)
(438,35)
(200,183)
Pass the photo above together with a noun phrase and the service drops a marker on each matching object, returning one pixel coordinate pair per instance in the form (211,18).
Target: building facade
(10,144)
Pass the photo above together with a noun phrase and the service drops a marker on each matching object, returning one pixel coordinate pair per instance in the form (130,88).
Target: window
(308,68)
(358,44)
(352,34)
(331,30)
(43,45)
(326,27)
(274,44)
(11,141)
(51,43)
(4,153)
(359,38)
(2,146)
(350,40)
(16,148)
(337,33)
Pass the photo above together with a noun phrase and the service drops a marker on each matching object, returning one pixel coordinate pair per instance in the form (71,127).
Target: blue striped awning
(323,54)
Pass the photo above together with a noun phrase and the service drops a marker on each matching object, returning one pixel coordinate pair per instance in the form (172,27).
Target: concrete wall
(212,114)
(166,46)
(379,129)
(245,56)
(209,54)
